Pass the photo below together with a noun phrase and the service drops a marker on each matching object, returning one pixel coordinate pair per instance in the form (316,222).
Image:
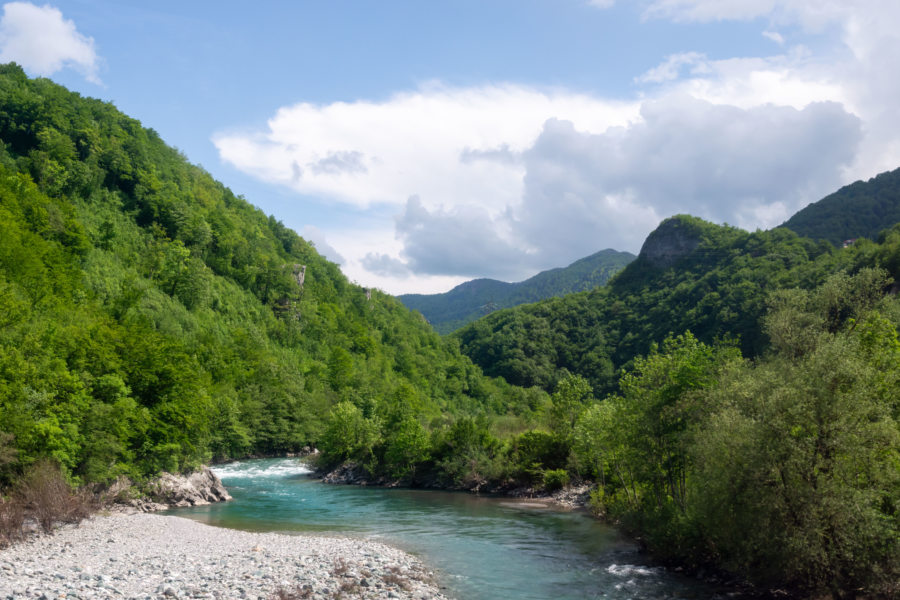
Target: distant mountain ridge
(473,299)
(861,209)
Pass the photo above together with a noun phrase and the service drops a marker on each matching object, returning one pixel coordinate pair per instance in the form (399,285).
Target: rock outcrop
(349,474)
(675,238)
(200,487)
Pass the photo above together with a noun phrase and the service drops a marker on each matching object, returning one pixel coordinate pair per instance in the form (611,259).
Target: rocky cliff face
(674,239)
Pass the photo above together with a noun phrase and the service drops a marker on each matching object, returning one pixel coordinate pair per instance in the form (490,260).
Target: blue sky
(420,144)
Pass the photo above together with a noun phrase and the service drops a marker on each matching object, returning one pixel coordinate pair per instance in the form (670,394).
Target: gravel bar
(147,556)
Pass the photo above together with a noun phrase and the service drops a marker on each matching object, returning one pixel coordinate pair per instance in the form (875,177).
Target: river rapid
(481,547)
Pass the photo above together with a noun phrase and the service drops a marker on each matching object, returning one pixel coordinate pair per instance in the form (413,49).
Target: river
(481,547)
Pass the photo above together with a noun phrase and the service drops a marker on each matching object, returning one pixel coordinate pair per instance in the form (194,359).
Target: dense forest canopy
(151,319)
(473,299)
(861,209)
(690,275)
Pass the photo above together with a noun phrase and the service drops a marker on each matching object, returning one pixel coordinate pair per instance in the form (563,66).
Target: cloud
(811,15)
(601,3)
(337,163)
(858,43)
(504,180)
(384,265)
(709,10)
(313,234)
(670,69)
(749,167)
(584,191)
(427,142)
(43,42)
(774,36)
(503,155)
(464,240)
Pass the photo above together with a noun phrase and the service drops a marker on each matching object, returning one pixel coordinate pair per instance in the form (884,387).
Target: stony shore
(149,556)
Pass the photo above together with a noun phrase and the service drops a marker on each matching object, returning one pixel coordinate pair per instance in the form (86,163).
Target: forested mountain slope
(736,398)
(690,275)
(473,299)
(861,209)
(150,319)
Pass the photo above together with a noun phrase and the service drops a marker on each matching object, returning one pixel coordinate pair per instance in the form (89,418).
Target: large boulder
(197,488)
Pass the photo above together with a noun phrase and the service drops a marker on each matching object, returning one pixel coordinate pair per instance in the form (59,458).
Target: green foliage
(812,443)
(534,451)
(572,395)
(691,275)
(784,469)
(349,435)
(649,450)
(472,300)
(859,210)
(407,447)
(555,479)
(151,320)
(468,455)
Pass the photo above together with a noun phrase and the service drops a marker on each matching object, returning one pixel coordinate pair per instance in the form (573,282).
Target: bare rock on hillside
(674,239)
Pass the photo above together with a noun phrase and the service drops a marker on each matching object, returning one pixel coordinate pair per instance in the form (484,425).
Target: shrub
(12,516)
(534,451)
(555,479)
(47,497)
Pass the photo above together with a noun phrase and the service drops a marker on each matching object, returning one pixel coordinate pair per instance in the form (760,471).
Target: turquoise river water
(480,547)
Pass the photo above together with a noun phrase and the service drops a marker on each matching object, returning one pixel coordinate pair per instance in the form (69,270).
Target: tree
(349,435)
(407,446)
(573,393)
(796,475)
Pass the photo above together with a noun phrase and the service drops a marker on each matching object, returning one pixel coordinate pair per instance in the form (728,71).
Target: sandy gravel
(151,556)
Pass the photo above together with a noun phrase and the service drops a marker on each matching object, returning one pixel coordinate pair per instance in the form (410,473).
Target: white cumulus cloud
(749,167)
(443,144)
(43,42)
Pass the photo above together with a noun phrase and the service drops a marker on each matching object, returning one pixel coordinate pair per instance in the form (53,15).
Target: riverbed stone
(162,557)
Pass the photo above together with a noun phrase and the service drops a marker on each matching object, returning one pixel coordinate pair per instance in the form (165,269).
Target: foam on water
(287,467)
(629,570)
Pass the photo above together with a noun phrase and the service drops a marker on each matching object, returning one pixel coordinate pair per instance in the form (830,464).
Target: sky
(423,144)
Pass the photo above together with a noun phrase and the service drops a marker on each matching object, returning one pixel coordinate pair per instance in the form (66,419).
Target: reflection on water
(483,548)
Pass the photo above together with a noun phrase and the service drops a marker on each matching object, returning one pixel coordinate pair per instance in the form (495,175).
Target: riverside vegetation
(733,394)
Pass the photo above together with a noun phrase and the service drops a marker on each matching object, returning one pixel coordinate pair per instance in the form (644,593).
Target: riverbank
(567,498)
(150,556)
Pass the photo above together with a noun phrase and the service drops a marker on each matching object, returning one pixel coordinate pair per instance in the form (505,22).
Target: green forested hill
(150,319)
(473,299)
(690,275)
(747,408)
(861,209)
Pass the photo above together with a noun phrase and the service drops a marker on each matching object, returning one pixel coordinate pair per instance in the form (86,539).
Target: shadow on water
(481,547)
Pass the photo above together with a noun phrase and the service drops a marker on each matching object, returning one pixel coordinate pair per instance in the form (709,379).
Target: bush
(12,516)
(348,435)
(534,451)
(47,497)
(555,479)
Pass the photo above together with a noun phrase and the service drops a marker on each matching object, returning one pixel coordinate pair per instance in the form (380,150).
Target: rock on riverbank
(167,490)
(147,556)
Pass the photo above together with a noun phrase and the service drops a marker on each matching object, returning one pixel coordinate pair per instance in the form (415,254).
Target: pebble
(155,557)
